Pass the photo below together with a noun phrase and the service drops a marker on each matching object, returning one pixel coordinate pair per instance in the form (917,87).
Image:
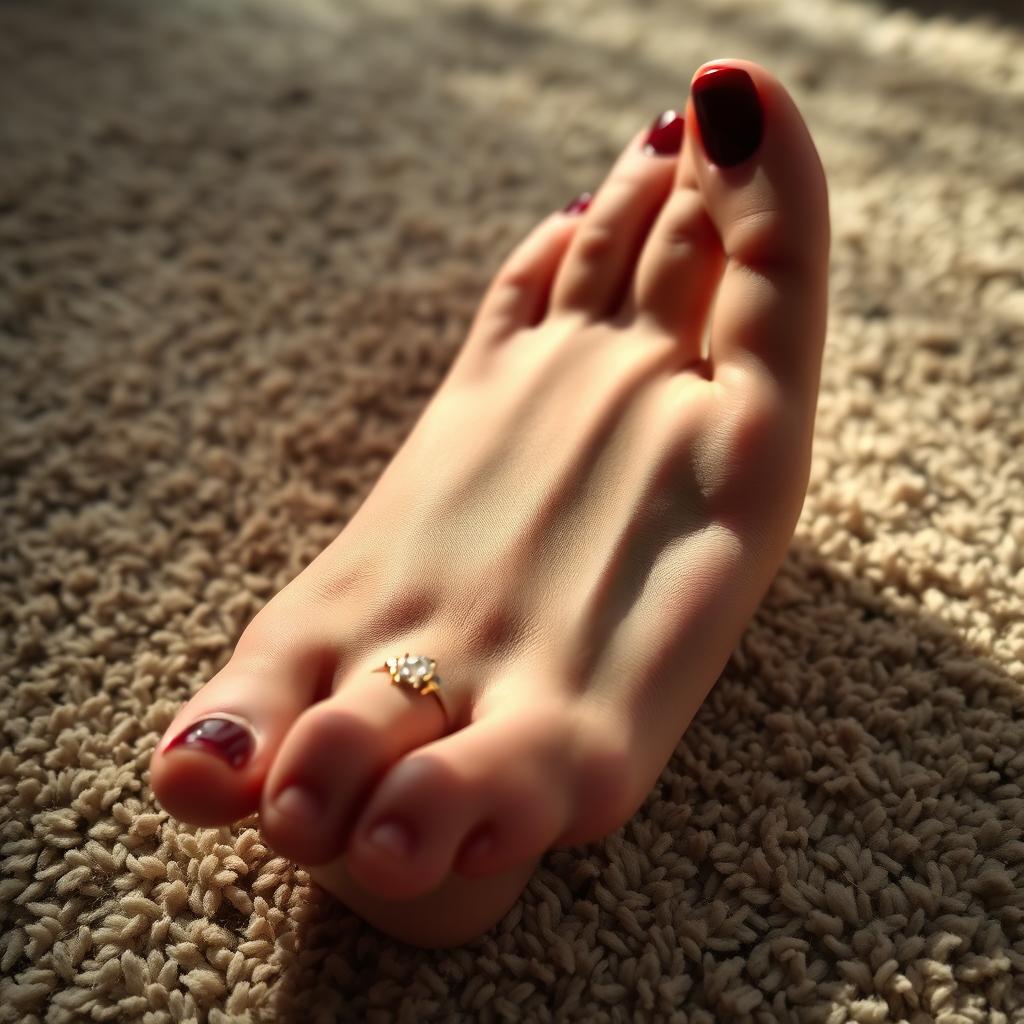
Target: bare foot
(578,530)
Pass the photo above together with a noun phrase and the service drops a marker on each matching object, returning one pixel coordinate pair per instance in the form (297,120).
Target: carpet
(240,244)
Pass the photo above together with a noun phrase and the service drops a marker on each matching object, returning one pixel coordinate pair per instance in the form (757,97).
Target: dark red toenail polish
(224,737)
(665,137)
(579,204)
(729,114)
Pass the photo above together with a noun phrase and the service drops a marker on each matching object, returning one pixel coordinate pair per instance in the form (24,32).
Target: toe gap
(699,366)
(326,671)
(480,842)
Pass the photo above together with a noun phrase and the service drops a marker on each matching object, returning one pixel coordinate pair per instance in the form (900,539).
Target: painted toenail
(229,739)
(391,836)
(579,204)
(299,805)
(665,137)
(729,114)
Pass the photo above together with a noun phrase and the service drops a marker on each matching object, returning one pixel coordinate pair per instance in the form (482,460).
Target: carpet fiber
(239,246)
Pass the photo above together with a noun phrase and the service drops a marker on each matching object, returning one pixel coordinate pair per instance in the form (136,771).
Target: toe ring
(417,673)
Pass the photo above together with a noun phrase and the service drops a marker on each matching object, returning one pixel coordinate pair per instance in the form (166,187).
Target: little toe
(518,295)
(481,800)
(765,191)
(598,266)
(210,766)
(331,757)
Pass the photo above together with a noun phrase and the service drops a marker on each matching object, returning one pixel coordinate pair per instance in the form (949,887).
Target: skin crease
(578,527)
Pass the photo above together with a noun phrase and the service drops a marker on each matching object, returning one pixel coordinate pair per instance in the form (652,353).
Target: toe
(595,275)
(764,189)
(331,757)
(518,295)
(210,766)
(502,782)
(680,267)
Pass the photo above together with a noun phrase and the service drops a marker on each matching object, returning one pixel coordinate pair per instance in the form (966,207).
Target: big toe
(764,189)
(741,245)
(210,766)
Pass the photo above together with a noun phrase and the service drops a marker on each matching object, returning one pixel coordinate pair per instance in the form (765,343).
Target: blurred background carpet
(240,243)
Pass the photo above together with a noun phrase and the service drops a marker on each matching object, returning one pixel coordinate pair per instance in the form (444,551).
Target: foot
(577,529)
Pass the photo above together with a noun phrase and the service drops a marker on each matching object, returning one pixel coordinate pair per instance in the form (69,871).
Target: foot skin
(578,529)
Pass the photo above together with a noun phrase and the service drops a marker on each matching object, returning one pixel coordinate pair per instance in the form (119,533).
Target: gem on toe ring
(415,673)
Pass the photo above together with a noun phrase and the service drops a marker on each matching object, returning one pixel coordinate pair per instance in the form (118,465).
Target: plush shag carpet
(240,243)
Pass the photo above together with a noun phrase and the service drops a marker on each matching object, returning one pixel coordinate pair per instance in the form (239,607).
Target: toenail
(229,739)
(299,804)
(665,137)
(729,114)
(579,204)
(392,837)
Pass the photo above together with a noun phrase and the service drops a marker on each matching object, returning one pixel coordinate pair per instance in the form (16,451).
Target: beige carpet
(239,246)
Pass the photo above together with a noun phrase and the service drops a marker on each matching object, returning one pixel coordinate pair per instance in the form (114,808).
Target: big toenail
(665,137)
(729,114)
(579,204)
(230,740)
(298,804)
(392,837)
